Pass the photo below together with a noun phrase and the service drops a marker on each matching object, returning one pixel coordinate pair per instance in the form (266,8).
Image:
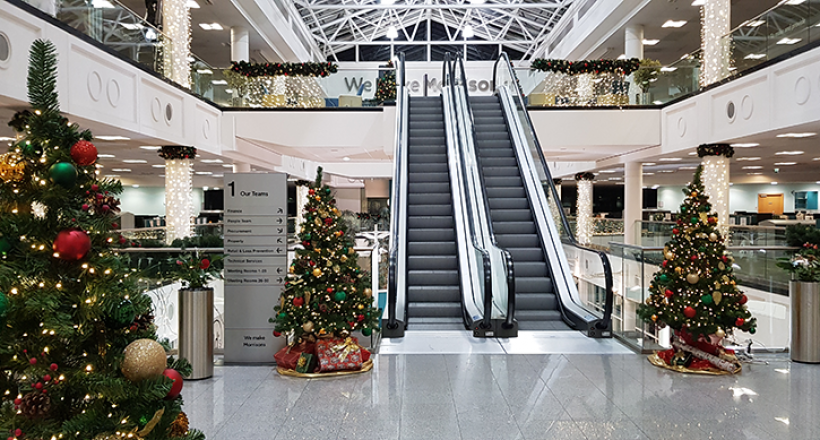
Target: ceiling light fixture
(135,186)
(650,42)
(158,166)
(468,32)
(346,159)
(646,164)
(203,173)
(774,183)
(668,69)
(788,153)
(121,170)
(788,40)
(205,71)
(753,174)
(211,161)
(754,23)
(749,159)
(192,4)
(219,82)
(674,23)
(150,147)
(105,155)
(134,161)
(392,33)
(112,138)
(211,26)
(670,159)
(753,167)
(796,135)
(698,2)
(754,56)
(745,145)
(785,163)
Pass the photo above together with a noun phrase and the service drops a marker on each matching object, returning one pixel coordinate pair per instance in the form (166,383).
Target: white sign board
(256,248)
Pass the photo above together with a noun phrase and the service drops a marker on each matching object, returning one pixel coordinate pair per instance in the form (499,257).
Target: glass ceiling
(372,30)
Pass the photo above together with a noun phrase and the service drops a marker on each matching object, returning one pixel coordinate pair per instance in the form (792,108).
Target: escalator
(512,218)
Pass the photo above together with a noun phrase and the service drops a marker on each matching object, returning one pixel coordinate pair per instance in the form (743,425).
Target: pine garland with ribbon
(170,152)
(715,150)
(585,176)
(253,70)
(623,67)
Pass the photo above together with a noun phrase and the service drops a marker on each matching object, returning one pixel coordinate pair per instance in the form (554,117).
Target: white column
(301,201)
(179,207)
(240,44)
(584,216)
(633,201)
(176,25)
(240,167)
(715,24)
(715,178)
(633,48)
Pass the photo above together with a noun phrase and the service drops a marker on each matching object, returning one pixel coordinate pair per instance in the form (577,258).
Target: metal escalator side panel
(563,281)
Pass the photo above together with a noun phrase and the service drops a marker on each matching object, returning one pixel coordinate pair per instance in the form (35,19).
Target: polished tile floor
(510,396)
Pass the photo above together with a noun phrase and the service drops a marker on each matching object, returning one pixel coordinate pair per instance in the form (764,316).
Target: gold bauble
(713,237)
(694,194)
(360,306)
(329,263)
(720,333)
(678,270)
(12,167)
(291,269)
(317,272)
(721,266)
(343,258)
(144,359)
(692,278)
(350,251)
(179,427)
(654,318)
(669,255)
(308,327)
(368,292)
(717,296)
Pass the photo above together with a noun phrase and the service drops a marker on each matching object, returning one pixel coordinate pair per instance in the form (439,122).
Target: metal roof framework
(520,26)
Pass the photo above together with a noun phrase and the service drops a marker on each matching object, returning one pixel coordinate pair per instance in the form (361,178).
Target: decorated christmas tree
(326,294)
(79,355)
(695,292)
(386,86)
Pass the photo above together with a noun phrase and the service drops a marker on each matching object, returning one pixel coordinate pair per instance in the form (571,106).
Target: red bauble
(665,262)
(669,293)
(725,259)
(675,230)
(72,244)
(329,290)
(328,221)
(360,318)
(311,263)
(176,388)
(740,322)
(694,257)
(743,299)
(298,301)
(276,334)
(689,312)
(84,153)
(311,192)
(712,220)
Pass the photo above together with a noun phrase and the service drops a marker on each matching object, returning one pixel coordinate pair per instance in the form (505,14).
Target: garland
(170,152)
(585,176)
(622,67)
(557,181)
(715,150)
(253,70)
(20,120)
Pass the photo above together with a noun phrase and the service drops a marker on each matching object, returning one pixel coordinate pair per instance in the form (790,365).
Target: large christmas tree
(695,291)
(79,354)
(326,294)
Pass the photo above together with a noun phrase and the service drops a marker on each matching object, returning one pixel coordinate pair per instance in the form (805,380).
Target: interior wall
(151,200)
(348,199)
(742,197)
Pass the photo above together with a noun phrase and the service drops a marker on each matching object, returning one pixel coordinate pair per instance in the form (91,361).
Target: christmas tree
(326,293)
(695,291)
(386,86)
(79,356)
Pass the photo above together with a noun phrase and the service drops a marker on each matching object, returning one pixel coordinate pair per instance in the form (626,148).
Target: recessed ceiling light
(150,147)
(227,165)
(111,176)
(788,153)
(112,138)
(615,178)
(468,32)
(688,168)
(668,69)
(674,23)
(203,173)
(753,174)
(650,42)
(670,159)
(135,186)
(748,159)
(693,153)
(211,161)
(655,186)
(774,183)
(6,139)
(785,163)
(219,82)
(99,165)
(755,56)
(648,174)
(698,2)
(753,167)
(755,23)
(345,158)
(666,171)
(211,26)
(121,170)
(134,161)
(796,135)
(610,171)
(192,4)
(105,155)
(205,188)
(657,102)
(646,164)
(158,166)
(205,71)
(788,40)
(745,145)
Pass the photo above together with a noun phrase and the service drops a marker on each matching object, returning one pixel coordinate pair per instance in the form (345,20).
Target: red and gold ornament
(84,153)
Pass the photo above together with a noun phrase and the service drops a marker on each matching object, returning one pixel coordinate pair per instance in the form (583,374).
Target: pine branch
(42,77)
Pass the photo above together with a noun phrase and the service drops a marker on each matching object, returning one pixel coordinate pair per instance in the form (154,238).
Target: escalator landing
(527,342)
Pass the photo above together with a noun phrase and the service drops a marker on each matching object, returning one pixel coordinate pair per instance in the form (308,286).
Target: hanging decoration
(584,176)
(12,167)
(620,67)
(252,70)
(724,150)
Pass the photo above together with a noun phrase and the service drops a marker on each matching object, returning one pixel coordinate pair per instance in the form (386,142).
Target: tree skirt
(367,366)
(657,361)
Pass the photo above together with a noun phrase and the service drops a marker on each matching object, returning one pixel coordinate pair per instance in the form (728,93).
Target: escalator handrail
(570,238)
(401,144)
(448,78)
(508,259)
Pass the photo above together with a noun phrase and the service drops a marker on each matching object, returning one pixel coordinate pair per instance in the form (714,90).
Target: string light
(715,56)
(178,201)
(584,220)
(716,182)
(176,26)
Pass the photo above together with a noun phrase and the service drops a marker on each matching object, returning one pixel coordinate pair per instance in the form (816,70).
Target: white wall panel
(20,34)
(161,112)
(680,125)
(592,128)
(796,90)
(206,128)
(738,108)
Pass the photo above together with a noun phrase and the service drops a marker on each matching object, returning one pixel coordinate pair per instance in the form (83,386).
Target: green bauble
(753,330)
(123,315)
(327,191)
(340,296)
(63,174)
(707,299)
(307,236)
(682,209)
(30,149)
(282,315)
(367,331)
(663,278)
(702,249)
(694,220)
(5,245)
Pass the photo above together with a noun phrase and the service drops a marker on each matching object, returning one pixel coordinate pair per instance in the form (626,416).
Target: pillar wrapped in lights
(715,18)
(302,188)
(176,26)
(716,180)
(584,226)
(179,207)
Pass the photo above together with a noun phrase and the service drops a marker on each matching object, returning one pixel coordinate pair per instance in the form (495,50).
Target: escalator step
(536,301)
(425,117)
(503,181)
(434,309)
(433,294)
(430,199)
(505,193)
(510,215)
(426,158)
(431,234)
(516,203)
(495,152)
(430,187)
(432,248)
(430,222)
(417,209)
(428,168)
(517,240)
(525,254)
(425,140)
(427,125)
(415,133)
(499,135)
(432,278)
(501,228)
(428,177)
(537,315)
(436,324)
(428,149)
(431,262)
(501,172)
(533,285)
(491,127)
(499,162)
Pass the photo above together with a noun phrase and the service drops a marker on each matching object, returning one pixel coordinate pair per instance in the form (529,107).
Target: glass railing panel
(209,82)
(670,83)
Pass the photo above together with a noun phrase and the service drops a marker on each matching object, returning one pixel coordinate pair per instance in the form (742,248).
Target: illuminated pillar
(633,48)
(715,178)
(584,228)
(715,24)
(301,201)
(176,25)
(179,206)
(633,201)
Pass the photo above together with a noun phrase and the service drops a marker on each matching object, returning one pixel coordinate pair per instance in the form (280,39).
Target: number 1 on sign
(233,188)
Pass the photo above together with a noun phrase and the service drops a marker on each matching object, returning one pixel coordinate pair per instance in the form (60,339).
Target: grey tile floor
(500,396)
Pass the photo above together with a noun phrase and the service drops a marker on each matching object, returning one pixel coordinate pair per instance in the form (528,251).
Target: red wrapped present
(337,354)
(288,357)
